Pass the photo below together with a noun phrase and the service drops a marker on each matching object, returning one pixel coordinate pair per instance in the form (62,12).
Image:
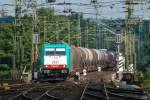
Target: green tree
(147,58)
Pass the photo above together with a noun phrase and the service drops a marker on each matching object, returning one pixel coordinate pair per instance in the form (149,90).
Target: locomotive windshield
(56,51)
(60,53)
(49,53)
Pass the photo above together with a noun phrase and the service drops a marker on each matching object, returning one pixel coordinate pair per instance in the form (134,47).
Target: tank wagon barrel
(90,59)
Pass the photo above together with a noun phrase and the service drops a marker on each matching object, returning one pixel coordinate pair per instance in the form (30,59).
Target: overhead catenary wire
(87,5)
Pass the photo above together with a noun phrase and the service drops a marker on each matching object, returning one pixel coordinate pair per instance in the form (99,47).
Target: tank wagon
(59,60)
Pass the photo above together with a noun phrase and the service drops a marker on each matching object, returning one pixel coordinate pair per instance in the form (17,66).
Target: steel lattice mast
(130,37)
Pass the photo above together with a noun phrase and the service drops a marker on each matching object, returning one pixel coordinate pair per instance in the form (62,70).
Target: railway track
(97,92)
(72,91)
(66,92)
(101,92)
(41,92)
(57,92)
(36,94)
(48,96)
(29,92)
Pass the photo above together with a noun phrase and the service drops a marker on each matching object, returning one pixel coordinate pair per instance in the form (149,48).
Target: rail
(83,92)
(106,92)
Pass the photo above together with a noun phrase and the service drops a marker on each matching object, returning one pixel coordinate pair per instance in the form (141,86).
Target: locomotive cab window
(56,51)
(60,51)
(49,52)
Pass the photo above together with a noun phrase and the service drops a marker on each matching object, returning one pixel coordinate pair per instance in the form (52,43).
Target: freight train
(59,60)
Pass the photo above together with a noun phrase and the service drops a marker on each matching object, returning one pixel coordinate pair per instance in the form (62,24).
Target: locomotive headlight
(63,71)
(64,66)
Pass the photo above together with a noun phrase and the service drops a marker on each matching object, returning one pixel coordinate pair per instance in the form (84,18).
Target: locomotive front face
(55,58)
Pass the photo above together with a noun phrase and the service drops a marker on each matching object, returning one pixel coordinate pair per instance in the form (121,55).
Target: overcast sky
(108,9)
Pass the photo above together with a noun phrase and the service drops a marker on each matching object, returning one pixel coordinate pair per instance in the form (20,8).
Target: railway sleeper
(140,92)
(48,97)
(20,97)
(87,94)
(94,89)
(127,97)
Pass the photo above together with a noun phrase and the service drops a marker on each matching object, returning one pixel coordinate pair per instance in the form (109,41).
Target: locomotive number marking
(55,62)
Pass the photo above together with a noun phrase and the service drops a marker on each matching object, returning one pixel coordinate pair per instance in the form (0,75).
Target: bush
(5,75)
(4,67)
(148,73)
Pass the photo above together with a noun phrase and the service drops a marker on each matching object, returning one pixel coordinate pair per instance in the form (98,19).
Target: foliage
(147,58)
(50,26)
(4,67)
(5,74)
(6,40)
